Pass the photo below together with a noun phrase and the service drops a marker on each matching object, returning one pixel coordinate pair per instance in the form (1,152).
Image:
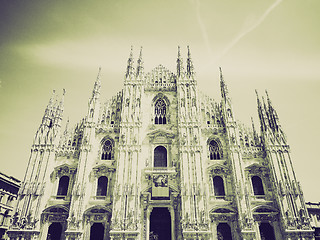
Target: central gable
(160,78)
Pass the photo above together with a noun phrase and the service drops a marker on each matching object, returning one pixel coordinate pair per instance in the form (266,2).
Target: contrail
(202,27)
(236,39)
(254,26)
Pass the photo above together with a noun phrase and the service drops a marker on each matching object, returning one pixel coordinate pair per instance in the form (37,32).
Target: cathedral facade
(160,160)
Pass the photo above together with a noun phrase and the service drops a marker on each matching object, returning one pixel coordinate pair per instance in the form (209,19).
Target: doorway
(97,231)
(54,231)
(266,232)
(160,224)
(224,231)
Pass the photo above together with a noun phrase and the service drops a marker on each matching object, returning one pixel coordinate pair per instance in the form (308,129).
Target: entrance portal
(266,231)
(224,231)
(54,231)
(160,224)
(97,231)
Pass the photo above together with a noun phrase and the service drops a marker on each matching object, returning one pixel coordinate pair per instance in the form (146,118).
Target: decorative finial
(131,51)
(190,68)
(139,64)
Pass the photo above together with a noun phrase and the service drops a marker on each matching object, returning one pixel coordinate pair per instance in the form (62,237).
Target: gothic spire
(179,64)
(140,64)
(96,87)
(190,68)
(261,114)
(223,86)
(59,111)
(255,135)
(273,116)
(46,119)
(130,69)
(66,130)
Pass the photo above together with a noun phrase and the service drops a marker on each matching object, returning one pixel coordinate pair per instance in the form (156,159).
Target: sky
(260,44)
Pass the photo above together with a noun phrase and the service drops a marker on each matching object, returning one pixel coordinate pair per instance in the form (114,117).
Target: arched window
(102,186)
(266,231)
(224,231)
(257,185)
(160,112)
(160,157)
(5,218)
(215,151)
(63,186)
(91,112)
(107,150)
(218,186)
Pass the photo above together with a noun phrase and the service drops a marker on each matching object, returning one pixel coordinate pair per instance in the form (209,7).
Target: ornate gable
(160,78)
(160,136)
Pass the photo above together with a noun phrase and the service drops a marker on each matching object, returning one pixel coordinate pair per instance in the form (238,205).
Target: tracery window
(63,186)
(107,150)
(160,157)
(215,151)
(160,111)
(218,186)
(102,186)
(257,185)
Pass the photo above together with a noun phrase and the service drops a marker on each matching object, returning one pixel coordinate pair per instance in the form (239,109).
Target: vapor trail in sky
(202,27)
(254,26)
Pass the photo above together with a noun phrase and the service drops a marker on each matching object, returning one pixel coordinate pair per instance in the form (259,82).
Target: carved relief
(64,170)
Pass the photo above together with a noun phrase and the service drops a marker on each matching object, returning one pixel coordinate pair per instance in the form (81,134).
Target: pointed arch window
(257,185)
(214,150)
(102,186)
(160,157)
(160,111)
(63,186)
(107,150)
(218,186)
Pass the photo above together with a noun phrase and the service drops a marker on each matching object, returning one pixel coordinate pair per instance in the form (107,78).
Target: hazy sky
(260,44)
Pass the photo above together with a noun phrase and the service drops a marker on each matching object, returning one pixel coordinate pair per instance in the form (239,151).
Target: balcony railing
(160,170)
